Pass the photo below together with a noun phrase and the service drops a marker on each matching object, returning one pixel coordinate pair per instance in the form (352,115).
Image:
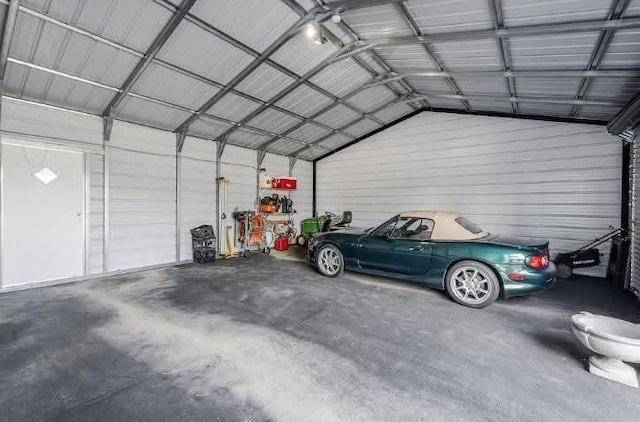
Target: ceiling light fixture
(315,33)
(312,30)
(336,18)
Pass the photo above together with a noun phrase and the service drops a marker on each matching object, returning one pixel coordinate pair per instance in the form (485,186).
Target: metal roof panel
(614,88)
(312,153)
(548,87)
(562,110)
(168,85)
(553,51)
(487,105)
(362,128)
(208,128)
(474,54)
(393,112)
(309,132)
(371,98)
(137,110)
(598,112)
(624,50)
(405,57)
(195,49)
(429,85)
(527,12)
(56,90)
(341,77)
(337,116)
(377,21)
(300,54)
(256,23)
(247,139)
(284,146)
(483,85)
(335,141)
(304,101)
(450,15)
(445,103)
(265,82)
(274,121)
(134,23)
(233,107)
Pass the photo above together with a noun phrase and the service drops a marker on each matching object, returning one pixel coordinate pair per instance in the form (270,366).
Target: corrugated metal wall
(558,181)
(96,213)
(635,220)
(142,199)
(142,182)
(198,189)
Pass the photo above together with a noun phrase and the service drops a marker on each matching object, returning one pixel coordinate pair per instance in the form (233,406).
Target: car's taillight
(538,261)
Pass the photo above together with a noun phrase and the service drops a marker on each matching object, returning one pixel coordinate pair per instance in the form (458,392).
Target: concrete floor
(267,339)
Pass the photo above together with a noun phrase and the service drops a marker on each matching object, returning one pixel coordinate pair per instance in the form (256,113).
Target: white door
(43,227)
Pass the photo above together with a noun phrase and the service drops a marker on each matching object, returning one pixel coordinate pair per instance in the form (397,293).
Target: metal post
(178,198)
(86,212)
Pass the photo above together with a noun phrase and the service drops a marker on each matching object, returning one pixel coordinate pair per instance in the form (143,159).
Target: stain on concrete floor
(265,339)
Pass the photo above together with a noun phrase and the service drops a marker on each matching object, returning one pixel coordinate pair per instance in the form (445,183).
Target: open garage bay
(264,339)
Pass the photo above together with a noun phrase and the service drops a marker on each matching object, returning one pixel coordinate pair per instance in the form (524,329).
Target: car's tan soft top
(445,225)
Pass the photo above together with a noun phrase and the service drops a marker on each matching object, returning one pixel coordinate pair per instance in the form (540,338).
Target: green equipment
(324,223)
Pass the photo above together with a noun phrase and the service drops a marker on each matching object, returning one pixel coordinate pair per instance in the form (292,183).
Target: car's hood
(519,242)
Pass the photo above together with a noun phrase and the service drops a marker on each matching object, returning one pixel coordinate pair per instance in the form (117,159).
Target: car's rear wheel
(473,284)
(329,261)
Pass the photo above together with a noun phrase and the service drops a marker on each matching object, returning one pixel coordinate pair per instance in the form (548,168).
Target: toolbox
(283,182)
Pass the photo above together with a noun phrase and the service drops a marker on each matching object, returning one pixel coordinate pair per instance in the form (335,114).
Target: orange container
(268,208)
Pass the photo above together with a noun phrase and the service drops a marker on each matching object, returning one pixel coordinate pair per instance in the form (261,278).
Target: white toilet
(614,341)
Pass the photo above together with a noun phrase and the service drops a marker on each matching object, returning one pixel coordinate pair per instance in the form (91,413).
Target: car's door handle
(416,248)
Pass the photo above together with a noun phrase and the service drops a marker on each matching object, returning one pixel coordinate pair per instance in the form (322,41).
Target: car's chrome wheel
(329,261)
(472,284)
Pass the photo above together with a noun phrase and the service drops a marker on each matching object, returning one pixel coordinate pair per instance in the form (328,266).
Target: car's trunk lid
(519,242)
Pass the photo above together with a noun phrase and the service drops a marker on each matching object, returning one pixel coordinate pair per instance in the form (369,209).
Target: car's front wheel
(329,261)
(473,284)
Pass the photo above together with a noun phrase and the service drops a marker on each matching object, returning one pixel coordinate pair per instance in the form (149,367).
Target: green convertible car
(439,249)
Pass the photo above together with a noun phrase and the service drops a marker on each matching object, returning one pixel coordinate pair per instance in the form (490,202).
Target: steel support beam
(379,60)
(627,118)
(346,5)
(7,35)
(437,62)
(617,10)
(282,40)
(292,164)
(541,100)
(359,119)
(495,6)
(181,137)
(107,126)
(155,48)
(163,103)
(557,73)
(167,65)
(519,31)
(246,49)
